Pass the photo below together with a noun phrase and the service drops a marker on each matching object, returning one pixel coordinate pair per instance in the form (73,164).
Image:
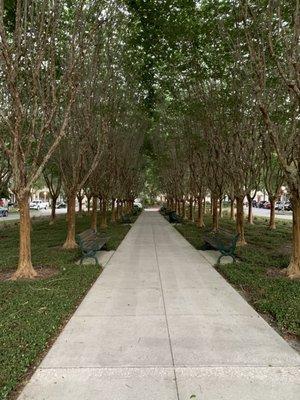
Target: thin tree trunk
(113,210)
(250,210)
(103,224)
(240,220)
(88,199)
(177,208)
(118,214)
(25,268)
(191,202)
(272,224)
(215,214)
(94,213)
(183,209)
(70,242)
(200,221)
(53,210)
(293,270)
(220,206)
(79,198)
(232,209)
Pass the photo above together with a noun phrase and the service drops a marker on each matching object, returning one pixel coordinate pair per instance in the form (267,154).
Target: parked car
(138,205)
(267,205)
(288,206)
(279,205)
(61,205)
(38,205)
(254,203)
(261,204)
(3,212)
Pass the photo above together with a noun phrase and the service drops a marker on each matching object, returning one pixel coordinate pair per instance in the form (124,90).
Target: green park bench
(174,218)
(126,219)
(90,242)
(223,241)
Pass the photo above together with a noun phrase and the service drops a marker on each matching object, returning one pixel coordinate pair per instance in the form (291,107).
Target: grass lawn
(32,312)
(256,275)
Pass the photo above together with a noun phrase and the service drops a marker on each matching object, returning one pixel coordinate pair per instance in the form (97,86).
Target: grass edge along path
(257,274)
(32,313)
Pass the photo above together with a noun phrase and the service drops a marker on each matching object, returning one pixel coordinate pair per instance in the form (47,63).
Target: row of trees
(226,113)
(70,109)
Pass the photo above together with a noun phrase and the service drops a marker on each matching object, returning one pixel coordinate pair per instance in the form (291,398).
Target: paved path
(161,324)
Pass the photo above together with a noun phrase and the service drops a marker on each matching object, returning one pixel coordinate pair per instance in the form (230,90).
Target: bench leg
(96,259)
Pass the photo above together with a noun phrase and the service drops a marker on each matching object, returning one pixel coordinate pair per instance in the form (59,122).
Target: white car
(38,205)
(137,204)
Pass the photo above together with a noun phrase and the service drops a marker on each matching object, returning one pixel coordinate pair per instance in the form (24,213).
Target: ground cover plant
(33,311)
(257,274)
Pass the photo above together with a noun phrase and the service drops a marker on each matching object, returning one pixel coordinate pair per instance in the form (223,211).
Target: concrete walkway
(161,324)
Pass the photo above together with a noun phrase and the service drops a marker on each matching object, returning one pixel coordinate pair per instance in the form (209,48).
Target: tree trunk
(215,214)
(250,210)
(272,224)
(293,270)
(191,209)
(232,209)
(113,210)
(177,206)
(240,220)
(70,242)
(88,199)
(79,198)
(183,209)
(53,210)
(25,268)
(200,221)
(220,206)
(103,223)
(94,213)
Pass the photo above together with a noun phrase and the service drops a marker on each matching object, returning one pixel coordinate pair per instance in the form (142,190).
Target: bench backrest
(86,235)
(228,236)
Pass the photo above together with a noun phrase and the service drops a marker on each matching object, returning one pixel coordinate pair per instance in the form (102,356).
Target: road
(261,212)
(15,216)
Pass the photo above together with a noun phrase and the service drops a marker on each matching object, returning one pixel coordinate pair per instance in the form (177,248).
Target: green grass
(32,312)
(274,295)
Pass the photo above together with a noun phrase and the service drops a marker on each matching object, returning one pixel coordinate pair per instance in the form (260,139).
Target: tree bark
(80,198)
(94,213)
(53,210)
(250,210)
(113,210)
(232,209)
(70,242)
(103,223)
(293,270)
(88,199)
(200,220)
(25,268)
(220,206)
(215,214)
(240,220)
(191,209)
(272,224)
